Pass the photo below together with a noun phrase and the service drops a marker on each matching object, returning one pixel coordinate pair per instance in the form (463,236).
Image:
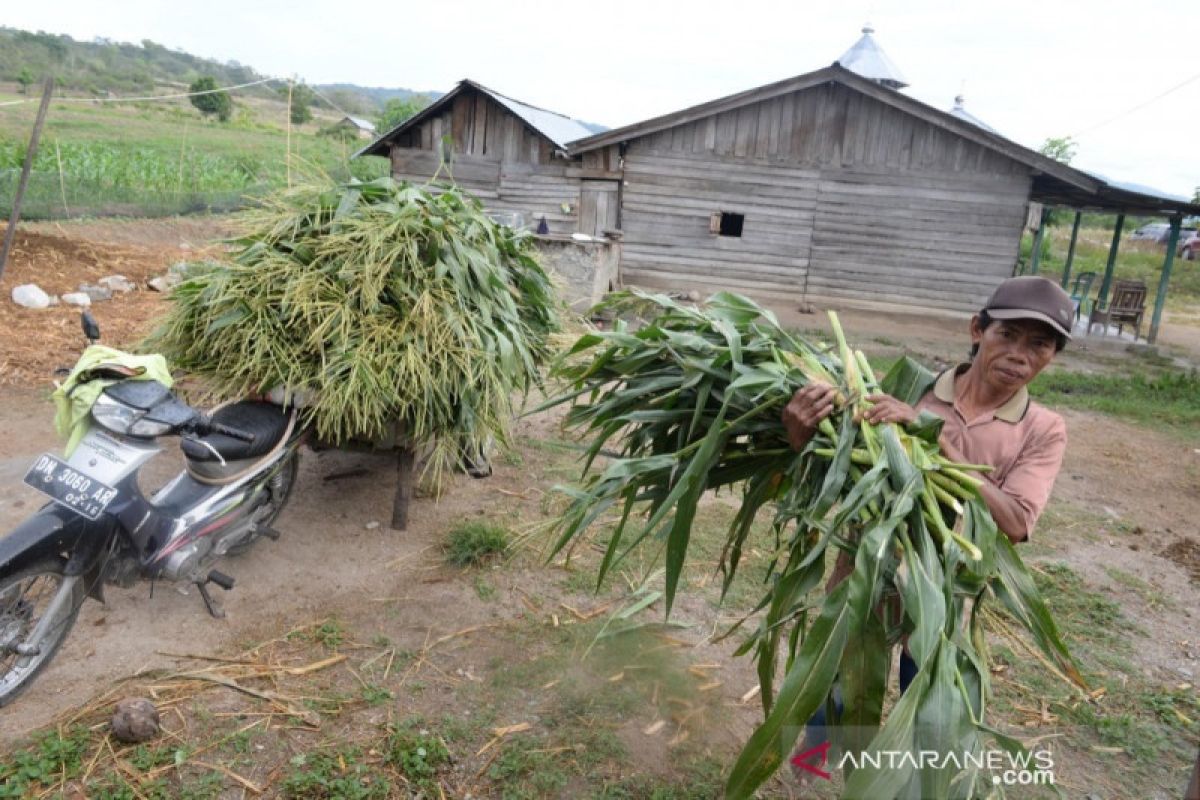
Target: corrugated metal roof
(866,58)
(962,113)
(359,122)
(556,127)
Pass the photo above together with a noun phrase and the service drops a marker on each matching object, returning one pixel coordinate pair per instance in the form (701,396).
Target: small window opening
(727,224)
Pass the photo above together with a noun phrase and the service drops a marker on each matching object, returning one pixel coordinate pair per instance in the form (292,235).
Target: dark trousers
(815,731)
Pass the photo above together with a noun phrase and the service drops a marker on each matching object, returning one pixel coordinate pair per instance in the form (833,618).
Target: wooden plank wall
(845,198)
(941,240)
(535,191)
(483,128)
(667,201)
(496,157)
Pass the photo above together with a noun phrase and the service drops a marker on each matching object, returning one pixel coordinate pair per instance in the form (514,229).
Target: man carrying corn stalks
(988,416)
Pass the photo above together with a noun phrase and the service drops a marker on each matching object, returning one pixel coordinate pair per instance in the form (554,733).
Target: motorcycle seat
(267,421)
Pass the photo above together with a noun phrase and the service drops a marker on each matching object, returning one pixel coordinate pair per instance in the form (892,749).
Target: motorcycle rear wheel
(280,488)
(25,593)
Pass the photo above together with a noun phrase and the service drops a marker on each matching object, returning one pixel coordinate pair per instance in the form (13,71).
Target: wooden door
(598,208)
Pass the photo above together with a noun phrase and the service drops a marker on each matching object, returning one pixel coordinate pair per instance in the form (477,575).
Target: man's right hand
(805,411)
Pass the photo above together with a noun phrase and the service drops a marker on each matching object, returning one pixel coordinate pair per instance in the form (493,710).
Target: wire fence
(50,195)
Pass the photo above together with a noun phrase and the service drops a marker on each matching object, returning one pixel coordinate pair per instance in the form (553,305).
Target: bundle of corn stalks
(384,302)
(690,402)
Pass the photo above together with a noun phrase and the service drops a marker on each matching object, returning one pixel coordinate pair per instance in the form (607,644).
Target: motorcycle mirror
(91,328)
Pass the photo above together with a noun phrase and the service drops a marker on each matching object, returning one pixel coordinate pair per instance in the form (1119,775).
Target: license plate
(69,487)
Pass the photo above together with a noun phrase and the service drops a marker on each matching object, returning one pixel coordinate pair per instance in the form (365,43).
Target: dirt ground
(1140,489)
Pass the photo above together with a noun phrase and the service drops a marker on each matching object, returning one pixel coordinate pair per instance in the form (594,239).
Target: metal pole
(11,231)
(1102,298)
(1071,250)
(1161,298)
(1036,255)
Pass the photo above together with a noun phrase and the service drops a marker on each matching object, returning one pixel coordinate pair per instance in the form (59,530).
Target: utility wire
(1138,107)
(143,99)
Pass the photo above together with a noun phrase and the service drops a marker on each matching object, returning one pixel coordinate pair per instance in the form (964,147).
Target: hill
(102,66)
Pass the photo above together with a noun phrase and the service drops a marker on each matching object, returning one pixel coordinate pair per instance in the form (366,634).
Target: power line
(147,99)
(1138,107)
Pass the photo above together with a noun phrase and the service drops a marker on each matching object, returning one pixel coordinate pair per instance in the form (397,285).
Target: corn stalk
(385,302)
(691,402)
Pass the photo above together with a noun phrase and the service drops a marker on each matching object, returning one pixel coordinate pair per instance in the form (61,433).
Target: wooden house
(511,155)
(827,187)
(361,128)
(831,187)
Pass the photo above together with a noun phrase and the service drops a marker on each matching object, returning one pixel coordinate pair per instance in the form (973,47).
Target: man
(987,413)
(989,418)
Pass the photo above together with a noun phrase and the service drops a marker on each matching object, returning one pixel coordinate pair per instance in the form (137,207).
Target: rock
(163,283)
(372,525)
(135,720)
(97,293)
(77,299)
(1184,671)
(179,268)
(184,246)
(30,295)
(117,283)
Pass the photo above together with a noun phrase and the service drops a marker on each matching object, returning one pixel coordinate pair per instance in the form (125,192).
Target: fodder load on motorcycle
(384,301)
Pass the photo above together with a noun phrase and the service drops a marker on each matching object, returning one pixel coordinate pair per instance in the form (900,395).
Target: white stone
(77,299)
(30,296)
(163,283)
(372,525)
(117,283)
(97,293)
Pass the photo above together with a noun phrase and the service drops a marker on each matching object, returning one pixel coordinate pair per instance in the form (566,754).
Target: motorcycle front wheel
(25,595)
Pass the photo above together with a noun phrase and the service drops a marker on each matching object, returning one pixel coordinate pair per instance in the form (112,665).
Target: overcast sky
(1032,69)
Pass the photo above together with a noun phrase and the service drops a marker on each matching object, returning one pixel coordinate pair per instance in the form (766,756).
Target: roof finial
(868,28)
(958,101)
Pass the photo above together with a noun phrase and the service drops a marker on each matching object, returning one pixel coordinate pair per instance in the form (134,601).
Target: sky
(1030,69)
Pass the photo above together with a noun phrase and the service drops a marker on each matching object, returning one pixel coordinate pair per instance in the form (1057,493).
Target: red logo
(813,759)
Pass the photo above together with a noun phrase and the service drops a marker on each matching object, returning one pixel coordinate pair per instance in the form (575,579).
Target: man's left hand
(888,409)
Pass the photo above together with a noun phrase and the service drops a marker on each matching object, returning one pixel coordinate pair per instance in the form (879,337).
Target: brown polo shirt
(1022,440)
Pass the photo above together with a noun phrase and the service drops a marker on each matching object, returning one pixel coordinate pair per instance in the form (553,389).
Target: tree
(1060,149)
(302,99)
(25,77)
(1196,195)
(215,102)
(396,110)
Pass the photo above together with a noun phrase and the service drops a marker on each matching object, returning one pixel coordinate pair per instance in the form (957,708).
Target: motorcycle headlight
(116,417)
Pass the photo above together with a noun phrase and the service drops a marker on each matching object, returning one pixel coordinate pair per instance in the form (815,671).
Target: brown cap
(1033,297)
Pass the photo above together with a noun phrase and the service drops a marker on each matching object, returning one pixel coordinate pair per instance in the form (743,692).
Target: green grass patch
(1153,727)
(1170,400)
(472,544)
(339,774)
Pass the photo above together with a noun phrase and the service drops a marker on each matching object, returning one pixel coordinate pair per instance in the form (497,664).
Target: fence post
(11,231)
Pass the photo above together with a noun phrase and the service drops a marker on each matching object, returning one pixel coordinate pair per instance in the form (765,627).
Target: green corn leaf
(1015,588)
(803,691)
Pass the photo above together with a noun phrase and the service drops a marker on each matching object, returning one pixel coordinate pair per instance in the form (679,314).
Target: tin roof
(557,128)
(866,58)
(961,112)
(361,123)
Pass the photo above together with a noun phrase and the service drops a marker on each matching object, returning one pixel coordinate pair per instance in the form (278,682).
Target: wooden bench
(1126,307)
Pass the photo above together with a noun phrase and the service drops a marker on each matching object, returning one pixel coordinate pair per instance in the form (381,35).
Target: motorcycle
(99,528)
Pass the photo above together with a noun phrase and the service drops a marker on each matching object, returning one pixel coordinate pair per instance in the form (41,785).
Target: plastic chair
(1079,293)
